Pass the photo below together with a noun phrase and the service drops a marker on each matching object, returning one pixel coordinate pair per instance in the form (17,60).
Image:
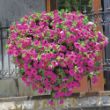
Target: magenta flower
(51,102)
(55,50)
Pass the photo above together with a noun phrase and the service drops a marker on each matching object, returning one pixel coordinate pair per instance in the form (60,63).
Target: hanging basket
(55,50)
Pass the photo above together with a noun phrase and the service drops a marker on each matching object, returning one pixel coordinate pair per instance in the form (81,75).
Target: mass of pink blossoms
(55,50)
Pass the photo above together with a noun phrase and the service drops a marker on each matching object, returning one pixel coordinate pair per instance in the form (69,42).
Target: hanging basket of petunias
(55,50)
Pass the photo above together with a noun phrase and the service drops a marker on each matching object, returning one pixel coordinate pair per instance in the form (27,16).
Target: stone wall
(41,103)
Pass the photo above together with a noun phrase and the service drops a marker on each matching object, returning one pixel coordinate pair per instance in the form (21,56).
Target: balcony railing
(7,68)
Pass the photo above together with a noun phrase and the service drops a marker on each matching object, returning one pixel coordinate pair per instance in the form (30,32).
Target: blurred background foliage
(84,6)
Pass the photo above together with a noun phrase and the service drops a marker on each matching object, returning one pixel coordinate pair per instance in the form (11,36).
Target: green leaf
(58,81)
(21,20)
(52,93)
(39,57)
(59,26)
(19,45)
(75,68)
(97,64)
(6,46)
(71,79)
(22,71)
(41,71)
(68,34)
(74,23)
(85,21)
(90,76)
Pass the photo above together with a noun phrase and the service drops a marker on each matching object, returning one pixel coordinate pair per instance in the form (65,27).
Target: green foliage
(41,71)
(75,5)
(85,20)
(22,71)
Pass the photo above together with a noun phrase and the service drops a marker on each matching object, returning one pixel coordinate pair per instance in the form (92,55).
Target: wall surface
(13,9)
(12,88)
(10,11)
